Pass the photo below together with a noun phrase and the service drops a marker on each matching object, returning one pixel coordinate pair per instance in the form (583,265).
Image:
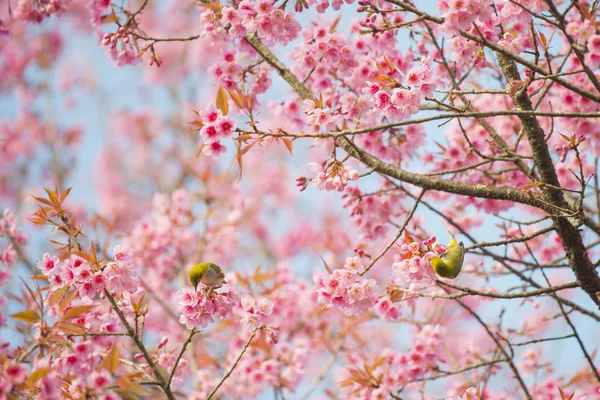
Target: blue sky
(124,88)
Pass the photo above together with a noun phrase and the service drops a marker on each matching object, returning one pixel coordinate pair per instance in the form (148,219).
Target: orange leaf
(335,23)
(85,256)
(247,148)
(56,296)
(66,301)
(326,266)
(222,103)
(70,327)
(110,18)
(42,200)
(243,137)
(94,253)
(28,316)
(237,98)
(111,362)
(76,311)
(288,144)
(64,194)
(38,374)
(407,237)
(213,6)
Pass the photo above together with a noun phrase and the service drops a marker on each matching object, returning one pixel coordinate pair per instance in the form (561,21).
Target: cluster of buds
(364,6)
(302,182)
(110,39)
(573,142)
(154,59)
(300,5)
(334,176)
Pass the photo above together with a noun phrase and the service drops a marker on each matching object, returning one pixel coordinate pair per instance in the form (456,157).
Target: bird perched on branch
(449,264)
(208,274)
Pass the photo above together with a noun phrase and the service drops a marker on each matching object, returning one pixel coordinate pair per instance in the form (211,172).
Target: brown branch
(519,239)
(416,121)
(567,231)
(233,366)
(468,291)
(500,50)
(130,332)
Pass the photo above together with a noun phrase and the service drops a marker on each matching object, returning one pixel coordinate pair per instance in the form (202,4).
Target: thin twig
(234,365)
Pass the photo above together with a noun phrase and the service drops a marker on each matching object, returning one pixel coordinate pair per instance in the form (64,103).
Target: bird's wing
(212,277)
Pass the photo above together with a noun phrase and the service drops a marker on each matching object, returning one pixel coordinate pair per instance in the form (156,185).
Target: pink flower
(247,302)
(199,309)
(340,290)
(594,44)
(48,264)
(210,114)
(98,380)
(214,148)
(381,99)
(15,373)
(265,306)
(226,127)
(121,254)
(209,132)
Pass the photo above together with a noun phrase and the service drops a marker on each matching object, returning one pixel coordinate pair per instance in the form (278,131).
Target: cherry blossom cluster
(386,309)
(167,359)
(511,43)
(459,14)
(214,127)
(329,176)
(400,103)
(324,51)
(272,24)
(227,73)
(390,370)
(255,311)
(9,228)
(12,374)
(89,279)
(127,54)
(199,308)
(80,360)
(470,394)
(36,11)
(371,213)
(412,266)
(97,8)
(163,237)
(322,115)
(5,277)
(345,289)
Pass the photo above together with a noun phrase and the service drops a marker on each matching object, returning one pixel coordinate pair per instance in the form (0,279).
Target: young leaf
(288,144)
(326,266)
(38,374)
(56,296)
(111,362)
(222,103)
(28,316)
(76,311)
(69,327)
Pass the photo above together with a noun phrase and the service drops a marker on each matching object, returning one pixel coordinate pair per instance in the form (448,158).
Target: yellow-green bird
(451,261)
(208,274)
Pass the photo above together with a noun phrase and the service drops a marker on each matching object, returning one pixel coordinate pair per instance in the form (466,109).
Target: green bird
(451,261)
(208,274)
